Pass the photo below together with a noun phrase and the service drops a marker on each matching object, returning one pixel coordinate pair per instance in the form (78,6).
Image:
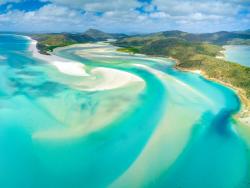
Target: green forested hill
(194,51)
(191,54)
(220,38)
(48,42)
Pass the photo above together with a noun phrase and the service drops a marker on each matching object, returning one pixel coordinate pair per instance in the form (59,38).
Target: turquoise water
(238,54)
(171,129)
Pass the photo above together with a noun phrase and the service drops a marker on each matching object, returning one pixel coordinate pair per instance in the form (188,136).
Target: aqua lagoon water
(175,130)
(238,54)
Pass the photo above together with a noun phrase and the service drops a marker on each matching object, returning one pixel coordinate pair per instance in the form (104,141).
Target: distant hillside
(48,42)
(220,38)
(100,35)
(194,51)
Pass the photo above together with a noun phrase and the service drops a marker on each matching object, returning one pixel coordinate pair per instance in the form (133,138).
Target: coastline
(77,69)
(243,115)
(63,65)
(111,78)
(221,53)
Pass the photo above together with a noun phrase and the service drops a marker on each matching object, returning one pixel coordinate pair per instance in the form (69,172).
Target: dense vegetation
(219,38)
(194,51)
(48,42)
(191,55)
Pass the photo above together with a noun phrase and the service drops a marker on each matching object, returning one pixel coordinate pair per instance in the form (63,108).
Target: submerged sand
(110,78)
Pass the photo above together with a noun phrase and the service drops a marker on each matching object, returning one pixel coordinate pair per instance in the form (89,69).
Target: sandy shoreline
(63,65)
(244,114)
(110,78)
(114,78)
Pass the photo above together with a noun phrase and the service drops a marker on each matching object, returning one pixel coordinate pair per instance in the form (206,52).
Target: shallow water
(175,129)
(238,54)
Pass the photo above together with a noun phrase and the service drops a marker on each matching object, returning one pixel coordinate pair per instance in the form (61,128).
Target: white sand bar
(100,78)
(63,65)
(112,78)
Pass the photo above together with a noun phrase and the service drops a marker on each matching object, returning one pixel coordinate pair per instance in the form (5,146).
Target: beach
(244,114)
(153,120)
(63,65)
(115,78)
(111,78)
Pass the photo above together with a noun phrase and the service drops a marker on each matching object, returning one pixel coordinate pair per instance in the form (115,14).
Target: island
(192,52)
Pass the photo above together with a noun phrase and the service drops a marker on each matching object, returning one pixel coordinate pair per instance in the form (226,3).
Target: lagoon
(122,121)
(238,54)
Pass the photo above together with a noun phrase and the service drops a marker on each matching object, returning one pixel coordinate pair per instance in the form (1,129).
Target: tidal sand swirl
(89,116)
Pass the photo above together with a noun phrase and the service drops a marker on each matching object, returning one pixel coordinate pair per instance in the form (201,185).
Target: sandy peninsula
(110,78)
(63,65)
